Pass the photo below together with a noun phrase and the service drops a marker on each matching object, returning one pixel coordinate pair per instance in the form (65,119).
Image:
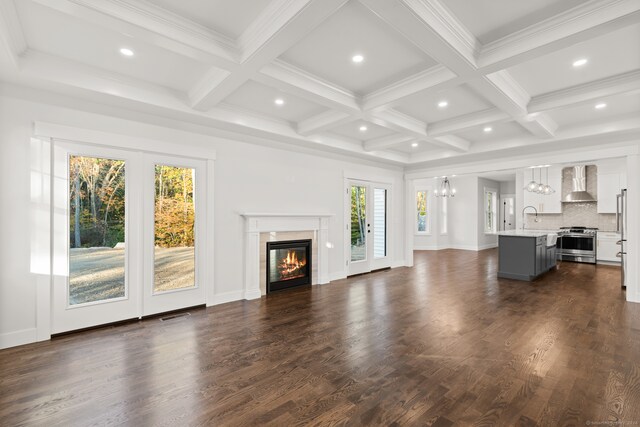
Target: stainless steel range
(577,244)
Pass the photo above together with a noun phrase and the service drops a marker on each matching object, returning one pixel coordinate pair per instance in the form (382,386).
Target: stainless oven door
(577,244)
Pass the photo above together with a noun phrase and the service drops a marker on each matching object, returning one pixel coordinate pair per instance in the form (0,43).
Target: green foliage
(358,215)
(174,207)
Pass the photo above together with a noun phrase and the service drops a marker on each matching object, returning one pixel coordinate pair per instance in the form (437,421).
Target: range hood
(579,187)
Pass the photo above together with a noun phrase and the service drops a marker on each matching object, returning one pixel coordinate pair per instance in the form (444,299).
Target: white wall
(248,178)
(508,187)
(463,212)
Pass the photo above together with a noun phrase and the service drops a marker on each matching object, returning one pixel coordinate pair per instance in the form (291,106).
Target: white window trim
(428,231)
(484,216)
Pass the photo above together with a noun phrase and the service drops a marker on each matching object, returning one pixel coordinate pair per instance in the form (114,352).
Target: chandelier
(445,189)
(539,187)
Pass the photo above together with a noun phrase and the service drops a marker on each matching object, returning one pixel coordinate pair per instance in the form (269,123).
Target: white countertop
(526,233)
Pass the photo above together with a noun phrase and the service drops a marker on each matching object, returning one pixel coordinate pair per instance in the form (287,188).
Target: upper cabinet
(550,203)
(611,179)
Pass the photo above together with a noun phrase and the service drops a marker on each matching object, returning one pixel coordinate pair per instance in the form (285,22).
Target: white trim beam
(578,24)
(323,122)
(274,32)
(154,25)
(385,142)
(292,80)
(622,83)
(434,78)
(471,120)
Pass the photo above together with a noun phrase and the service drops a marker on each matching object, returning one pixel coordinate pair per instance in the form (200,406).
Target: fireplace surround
(268,227)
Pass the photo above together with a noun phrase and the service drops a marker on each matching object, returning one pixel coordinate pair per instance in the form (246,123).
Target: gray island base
(524,255)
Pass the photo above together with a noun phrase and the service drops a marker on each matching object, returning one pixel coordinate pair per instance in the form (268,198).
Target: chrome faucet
(525,208)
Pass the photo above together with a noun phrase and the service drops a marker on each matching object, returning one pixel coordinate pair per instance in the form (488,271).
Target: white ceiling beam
(154,25)
(385,142)
(436,77)
(467,121)
(278,28)
(586,21)
(11,35)
(323,121)
(541,125)
(429,25)
(622,83)
(292,80)
(408,126)
(506,93)
(433,29)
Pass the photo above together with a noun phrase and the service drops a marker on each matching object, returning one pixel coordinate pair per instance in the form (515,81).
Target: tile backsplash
(575,214)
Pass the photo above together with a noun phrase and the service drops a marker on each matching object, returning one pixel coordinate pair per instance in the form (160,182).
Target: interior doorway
(507,212)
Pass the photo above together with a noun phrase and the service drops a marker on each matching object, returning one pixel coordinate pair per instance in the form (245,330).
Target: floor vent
(174,316)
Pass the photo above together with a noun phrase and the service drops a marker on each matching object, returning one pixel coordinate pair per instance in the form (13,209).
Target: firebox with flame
(291,266)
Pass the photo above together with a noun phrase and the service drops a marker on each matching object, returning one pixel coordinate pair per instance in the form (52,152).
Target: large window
(490,211)
(423,213)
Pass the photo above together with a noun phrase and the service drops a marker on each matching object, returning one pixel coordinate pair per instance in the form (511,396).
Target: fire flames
(291,267)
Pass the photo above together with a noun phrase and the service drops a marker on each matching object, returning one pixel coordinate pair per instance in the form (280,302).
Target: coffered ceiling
(407,82)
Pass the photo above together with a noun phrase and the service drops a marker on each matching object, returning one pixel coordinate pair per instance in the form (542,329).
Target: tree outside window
(422,220)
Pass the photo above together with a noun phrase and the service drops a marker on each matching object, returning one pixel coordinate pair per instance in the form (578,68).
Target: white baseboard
(24,336)
(226,297)
(401,263)
(337,275)
(430,247)
(487,246)
(252,294)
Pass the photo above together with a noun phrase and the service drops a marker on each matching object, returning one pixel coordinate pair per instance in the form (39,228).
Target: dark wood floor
(443,343)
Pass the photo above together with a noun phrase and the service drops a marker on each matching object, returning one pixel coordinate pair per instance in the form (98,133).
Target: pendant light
(547,188)
(445,189)
(540,186)
(532,185)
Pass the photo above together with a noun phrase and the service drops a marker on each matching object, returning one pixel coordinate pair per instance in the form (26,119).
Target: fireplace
(288,264)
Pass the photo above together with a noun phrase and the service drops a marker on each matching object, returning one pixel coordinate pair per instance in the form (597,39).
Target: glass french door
(367,226)
(174,209)
(125,235)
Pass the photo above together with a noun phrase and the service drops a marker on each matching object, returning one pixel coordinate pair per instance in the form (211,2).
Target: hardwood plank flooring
(443,343)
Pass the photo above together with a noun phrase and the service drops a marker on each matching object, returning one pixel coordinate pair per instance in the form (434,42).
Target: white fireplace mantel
(256,223)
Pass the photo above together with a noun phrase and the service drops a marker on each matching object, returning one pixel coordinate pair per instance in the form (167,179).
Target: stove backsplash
(573,214)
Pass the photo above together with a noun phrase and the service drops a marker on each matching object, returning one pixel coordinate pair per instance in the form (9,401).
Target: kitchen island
(526,254)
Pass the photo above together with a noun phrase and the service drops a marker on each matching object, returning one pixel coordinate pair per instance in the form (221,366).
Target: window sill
(422,233)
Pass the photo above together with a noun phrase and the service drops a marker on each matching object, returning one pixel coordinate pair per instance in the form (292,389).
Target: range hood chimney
(579,186)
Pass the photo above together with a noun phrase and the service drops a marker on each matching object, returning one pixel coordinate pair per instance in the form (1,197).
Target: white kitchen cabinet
(609,186)
(551,203)
(608,247)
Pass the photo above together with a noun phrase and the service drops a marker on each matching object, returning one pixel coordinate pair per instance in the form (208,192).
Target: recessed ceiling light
(414,145)
(125,51)
(363,128)
(279,101)
(601,106)
(442,104)
(488,129)
(357,58)
(579,62)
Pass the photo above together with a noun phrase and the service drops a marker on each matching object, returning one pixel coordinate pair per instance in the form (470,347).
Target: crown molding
(447,26)
(276,16)
(430,78)
(11,34)
(154,25)
(209,81)
(582,22)
(621,83)
(460,123)
(323,121)
(291,79)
